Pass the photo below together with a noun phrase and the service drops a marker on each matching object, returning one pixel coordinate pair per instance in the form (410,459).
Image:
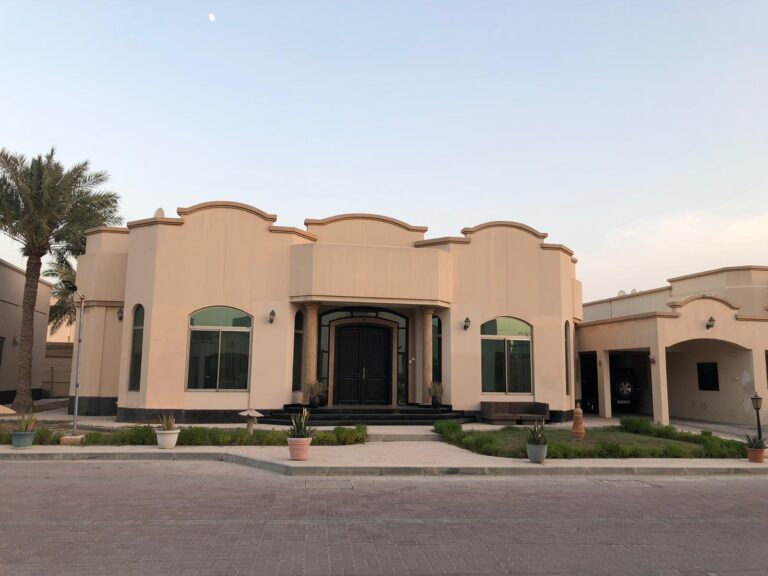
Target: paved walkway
(389,459)
(213,519)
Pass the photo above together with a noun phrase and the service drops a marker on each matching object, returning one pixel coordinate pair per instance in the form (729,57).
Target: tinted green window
(233,360)
(518,366)
(137,341)
(298,342)
(203,359)
(493,365)
(220,316)
(505,326)
(437,349)
(219,349)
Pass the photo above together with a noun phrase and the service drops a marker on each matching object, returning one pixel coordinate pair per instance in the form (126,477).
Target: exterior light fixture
(120,314)
(466,323)
(652,359)
(272,315)
(710,323)
(757,403)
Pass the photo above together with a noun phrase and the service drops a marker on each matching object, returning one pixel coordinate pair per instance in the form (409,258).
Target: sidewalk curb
(289,470)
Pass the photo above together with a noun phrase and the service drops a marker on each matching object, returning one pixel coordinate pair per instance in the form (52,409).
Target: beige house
(11,296)
(220,309)
(695,349)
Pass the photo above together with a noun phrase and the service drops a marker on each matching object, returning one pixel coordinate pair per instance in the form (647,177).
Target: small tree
(47,208)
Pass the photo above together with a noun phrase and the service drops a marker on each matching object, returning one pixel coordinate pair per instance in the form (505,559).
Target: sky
(635,133)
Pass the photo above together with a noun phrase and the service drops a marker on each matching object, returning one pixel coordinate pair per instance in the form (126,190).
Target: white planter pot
(167,438)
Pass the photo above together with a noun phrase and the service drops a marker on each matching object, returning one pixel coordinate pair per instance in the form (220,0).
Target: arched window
(437,349)
(298,343)
(137,342)
(219,349)
(567,358)
(507,361)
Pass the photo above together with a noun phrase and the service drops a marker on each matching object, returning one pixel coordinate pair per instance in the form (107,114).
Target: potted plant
(755,448)
(167,434)
(436,392)
(299,436)
(23,436)
(537,443)
(315,390)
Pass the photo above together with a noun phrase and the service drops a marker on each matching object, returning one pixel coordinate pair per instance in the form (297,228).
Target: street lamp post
(757,403)
(73,288)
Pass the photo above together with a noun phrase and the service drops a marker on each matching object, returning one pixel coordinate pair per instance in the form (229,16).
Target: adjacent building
(11,295)
(695,349)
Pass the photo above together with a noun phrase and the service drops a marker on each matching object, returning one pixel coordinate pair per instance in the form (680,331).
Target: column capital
(311,305)
(428,309)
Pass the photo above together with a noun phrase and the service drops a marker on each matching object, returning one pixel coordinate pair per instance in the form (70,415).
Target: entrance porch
(367,356)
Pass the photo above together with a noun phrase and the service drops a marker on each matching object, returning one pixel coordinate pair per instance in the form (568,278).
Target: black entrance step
(369,415)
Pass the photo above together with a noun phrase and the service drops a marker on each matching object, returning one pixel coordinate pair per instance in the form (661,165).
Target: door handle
(363,372)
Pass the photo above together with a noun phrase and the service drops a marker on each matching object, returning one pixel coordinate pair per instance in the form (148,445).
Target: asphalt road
(206,518)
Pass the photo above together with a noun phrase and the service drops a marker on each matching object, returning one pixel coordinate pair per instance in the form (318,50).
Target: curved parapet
(504,224)
(362,216)
(225,204)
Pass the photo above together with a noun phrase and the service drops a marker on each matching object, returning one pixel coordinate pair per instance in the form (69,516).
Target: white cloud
(644,255)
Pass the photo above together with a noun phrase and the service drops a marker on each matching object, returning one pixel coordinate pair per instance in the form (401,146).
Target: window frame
(437,348)
(568,359)
(219,329)
(297,354)
(506,340)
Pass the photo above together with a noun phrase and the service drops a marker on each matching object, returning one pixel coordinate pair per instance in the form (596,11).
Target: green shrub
(136,435)
(44,436)
(324,438)
(194,436)
(5,437)
(268,438)
(637,425)
(449,429)
(94,439)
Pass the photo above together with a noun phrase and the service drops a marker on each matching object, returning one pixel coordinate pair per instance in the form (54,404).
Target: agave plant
(436,389)
(536,435)
(25,422)
(168,421)
(316,389)
(754,442)
(299,427)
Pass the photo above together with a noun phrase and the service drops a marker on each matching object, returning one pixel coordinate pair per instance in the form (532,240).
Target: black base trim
(152,415)
(8,396)
(560,416)
(93,406)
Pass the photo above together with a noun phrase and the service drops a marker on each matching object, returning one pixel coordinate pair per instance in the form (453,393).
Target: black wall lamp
(120,314)
(466,323)
(710,323)
(272,316)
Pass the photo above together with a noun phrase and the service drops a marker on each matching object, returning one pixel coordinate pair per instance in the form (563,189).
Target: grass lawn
(637,439)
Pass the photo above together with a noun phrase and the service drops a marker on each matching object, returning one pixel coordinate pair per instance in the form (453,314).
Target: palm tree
(64,309)
(47,208)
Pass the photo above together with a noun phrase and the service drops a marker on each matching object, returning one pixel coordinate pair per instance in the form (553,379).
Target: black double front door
(363,365)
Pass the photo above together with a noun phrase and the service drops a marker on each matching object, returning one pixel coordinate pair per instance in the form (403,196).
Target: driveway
(207,518)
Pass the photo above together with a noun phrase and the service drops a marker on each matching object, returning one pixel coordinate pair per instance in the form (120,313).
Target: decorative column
(309,351)
(604,382)
(660,393)
(426,350)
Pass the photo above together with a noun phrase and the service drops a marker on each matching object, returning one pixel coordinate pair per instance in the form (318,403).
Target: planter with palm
(47,209)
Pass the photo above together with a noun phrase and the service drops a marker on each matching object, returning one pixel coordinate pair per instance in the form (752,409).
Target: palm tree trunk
(23,401)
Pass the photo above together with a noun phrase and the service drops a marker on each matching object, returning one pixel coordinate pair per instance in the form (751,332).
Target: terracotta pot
(756,455)
(298,448)
(167,438)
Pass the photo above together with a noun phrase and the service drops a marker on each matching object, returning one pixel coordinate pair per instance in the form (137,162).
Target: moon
(212,17)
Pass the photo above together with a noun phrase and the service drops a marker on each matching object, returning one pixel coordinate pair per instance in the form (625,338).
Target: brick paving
(211,518)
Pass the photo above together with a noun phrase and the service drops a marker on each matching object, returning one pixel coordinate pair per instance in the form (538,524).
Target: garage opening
(588,378)
(631,391)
